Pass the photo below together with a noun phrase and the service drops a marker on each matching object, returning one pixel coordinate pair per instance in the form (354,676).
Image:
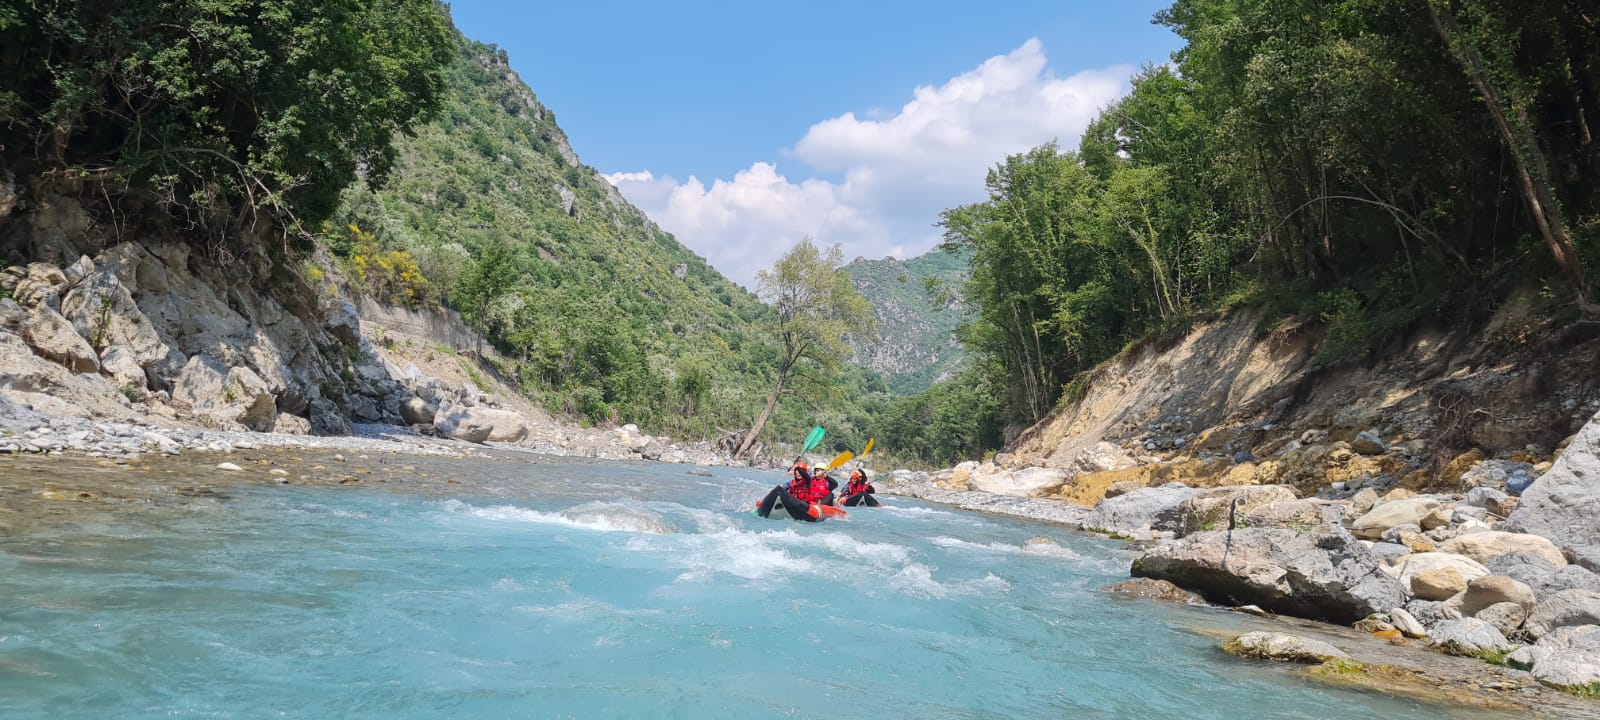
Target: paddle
(811,441)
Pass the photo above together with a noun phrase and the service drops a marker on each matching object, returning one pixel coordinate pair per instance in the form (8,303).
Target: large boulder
(1434,566)
(1027,482)
(225,395)
(1564,609)
(1210,509)
(416,411)
(1393,513)
(1491,589)
(480,424)
(1488,545)
(1327,575)
(1146,508)
(1469,636)
(52,337)
(1561,504)
(1568,658)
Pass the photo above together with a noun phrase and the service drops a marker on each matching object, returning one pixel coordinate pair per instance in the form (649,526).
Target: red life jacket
(858,487)
(809,489)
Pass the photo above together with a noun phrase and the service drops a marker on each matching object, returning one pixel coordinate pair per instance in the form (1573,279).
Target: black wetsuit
(797,508)
(861,496)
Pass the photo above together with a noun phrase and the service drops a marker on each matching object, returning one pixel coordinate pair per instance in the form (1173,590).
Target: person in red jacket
(798,494)
(860,490)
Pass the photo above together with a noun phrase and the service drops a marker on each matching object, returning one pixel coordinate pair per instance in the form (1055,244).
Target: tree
(1497,80)
(218,107)
(814,306)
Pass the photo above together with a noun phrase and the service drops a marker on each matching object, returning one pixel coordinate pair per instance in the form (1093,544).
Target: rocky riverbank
(1493,560)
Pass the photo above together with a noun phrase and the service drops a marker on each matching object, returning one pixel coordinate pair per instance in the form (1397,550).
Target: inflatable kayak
(817,511)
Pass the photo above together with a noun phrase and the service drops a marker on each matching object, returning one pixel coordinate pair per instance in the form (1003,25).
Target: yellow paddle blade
(843,458)
(868,448)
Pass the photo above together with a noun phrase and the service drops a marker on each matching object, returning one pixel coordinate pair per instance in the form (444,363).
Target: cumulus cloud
(896,170)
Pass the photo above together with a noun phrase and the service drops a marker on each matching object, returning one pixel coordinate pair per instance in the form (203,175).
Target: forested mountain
(918,306)
(1364,166)
(604,315)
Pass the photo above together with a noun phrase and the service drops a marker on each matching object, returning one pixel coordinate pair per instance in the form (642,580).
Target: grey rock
(1368,443)
(1153,507)
(1387,551)
(1210,509)
(1564,609)
(344,322)
(1529,569)
(1326,575)
(1498,475)
(53,338)
(1561,504)
(1432,612)
(1507,617)
(416,411)
(1283,646)
(1470,637)
(1567,658)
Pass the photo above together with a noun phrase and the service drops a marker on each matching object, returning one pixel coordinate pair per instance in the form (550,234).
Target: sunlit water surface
(590,590)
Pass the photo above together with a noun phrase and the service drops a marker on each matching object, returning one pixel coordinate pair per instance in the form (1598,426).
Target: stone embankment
(1490,558)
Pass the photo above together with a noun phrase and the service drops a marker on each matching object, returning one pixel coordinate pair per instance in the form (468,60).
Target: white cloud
(897,170)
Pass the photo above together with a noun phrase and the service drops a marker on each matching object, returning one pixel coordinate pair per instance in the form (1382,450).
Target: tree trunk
(761,420)
(1533,174)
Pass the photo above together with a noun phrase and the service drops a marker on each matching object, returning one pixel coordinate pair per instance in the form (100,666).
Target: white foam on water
(604,517)
(914,511)
(740,553)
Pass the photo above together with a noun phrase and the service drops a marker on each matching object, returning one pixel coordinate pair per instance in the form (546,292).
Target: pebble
(229,466)
(280,472)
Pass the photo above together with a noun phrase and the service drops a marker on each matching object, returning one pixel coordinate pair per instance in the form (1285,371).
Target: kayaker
(797,495)
(860,490)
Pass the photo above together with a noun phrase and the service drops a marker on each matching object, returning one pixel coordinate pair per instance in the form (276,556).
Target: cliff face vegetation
(917,303)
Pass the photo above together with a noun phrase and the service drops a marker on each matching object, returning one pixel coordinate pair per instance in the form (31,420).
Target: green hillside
(489,211)
(918,306)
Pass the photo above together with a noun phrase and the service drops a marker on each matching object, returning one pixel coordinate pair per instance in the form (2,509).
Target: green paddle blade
(812,439)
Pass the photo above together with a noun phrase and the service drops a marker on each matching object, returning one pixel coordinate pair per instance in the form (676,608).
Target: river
(503,588)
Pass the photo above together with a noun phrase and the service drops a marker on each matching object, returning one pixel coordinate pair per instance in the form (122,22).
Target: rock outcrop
(1327,575)
(1561,504)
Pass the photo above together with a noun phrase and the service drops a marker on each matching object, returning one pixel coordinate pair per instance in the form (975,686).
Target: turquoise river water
(595,590)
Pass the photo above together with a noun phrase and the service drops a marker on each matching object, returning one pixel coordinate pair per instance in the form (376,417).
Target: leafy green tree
(814,306)
(220,107)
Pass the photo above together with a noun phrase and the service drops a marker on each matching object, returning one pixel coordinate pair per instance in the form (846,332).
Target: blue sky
(743,126)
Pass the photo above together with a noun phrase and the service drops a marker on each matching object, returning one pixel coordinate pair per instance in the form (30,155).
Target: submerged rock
(1154,590)
(1282,646)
